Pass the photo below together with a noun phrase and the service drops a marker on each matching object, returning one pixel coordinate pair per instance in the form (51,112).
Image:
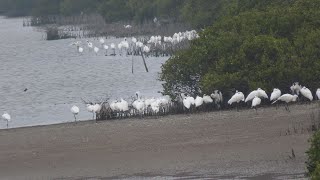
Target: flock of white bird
(135,46)
(155,105)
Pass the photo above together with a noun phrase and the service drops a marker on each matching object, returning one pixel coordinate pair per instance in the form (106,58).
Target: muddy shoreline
(216,145)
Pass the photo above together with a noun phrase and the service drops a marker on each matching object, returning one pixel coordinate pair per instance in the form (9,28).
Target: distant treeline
(198,13)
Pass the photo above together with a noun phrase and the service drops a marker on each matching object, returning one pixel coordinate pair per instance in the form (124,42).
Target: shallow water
(57,76)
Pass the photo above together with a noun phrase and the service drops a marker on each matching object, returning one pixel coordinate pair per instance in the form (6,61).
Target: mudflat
(217,145)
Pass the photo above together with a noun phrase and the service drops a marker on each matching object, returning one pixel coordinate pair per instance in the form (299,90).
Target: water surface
(57,76)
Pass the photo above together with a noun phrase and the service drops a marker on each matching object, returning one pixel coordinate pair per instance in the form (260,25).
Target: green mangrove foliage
(256,43)
(313,163)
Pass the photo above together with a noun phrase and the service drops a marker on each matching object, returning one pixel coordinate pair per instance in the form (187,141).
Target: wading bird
(259,93)
(236,98)
(75,111)
(275,94)
(7,118)
(318,93)
(256,102)
(306,93)
(287,98)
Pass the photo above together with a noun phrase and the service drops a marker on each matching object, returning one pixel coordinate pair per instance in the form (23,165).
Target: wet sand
(218,145)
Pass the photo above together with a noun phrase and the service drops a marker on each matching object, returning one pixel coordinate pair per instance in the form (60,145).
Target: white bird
(259,93)
(101,40)
(114,106)
(217,97)
(7,118)
(187,101)
(80,49)
(96,50)
(90,108)
(123,105)
(146,49)
(287,98)
(113,47)
(75,111)
(127,26)
(236,98)
(255,102)
(207,99)
(139,104)
(275,94)
(318,93)
(306,93)
(262,93)
(96,108)
(295,88)
(90,45)
(134,40)
(198,101)
(251,95)
(155,106)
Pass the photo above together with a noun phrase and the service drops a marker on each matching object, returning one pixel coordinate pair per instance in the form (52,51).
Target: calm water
(57,76)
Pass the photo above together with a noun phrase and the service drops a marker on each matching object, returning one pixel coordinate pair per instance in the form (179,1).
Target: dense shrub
(313,163)
(255,44)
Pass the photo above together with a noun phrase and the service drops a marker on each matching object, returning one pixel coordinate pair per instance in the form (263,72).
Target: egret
(123,105)
(7,118)
(155,106)
(217,97)
(262,93)
(113,47)
(256,102)
(114,106)
(236,98)
(80,50)
(139,104)
(90,45)
(127,26)
(207,99)
(275,94)
(146,49)
(101,40)
(75,111)
(96,50)
(287,98)
(318,93)
(90,108)
(187,101)
(106,47)
(198,101)
(259,93)
(120,48)
(134,40)
(306,93)
(295,88)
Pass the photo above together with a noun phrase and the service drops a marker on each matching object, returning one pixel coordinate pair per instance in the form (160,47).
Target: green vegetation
(254,43)
(313,163)
(197,13)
